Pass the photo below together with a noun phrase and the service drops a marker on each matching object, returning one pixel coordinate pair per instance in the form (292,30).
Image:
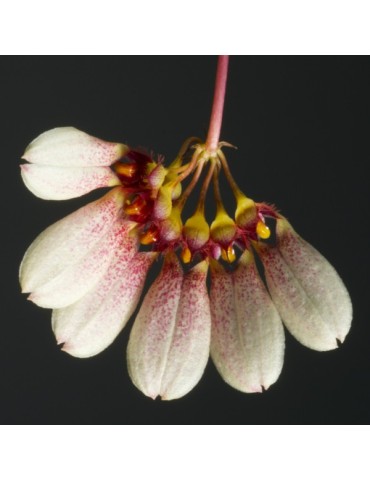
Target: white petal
(189,352)
(247,344)
(311,298)
(262,332)
(65,242)
(78,279)
(60,183)
(69,147)
(152,332)
(90,325)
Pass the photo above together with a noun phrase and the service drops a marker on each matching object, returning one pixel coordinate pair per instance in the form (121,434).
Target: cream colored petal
(189,351)
(260,326)
(78,279)
(247,344)
(311,298)
(90,325)
(153,329)
(69,147)
(226,347)
(67,241)
(60,183)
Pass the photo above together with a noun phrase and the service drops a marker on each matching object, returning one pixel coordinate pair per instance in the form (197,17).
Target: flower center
(155,197)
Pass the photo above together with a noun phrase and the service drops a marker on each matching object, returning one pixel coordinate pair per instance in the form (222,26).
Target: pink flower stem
(218,104)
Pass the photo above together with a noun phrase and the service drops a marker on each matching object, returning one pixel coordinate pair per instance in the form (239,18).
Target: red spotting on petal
(90,325)
(78,279)
(260,326)
(69,147)
(310,296)
(226,349)
(247,343)
(67,241)
(189,350)
(61,183)
(152,332)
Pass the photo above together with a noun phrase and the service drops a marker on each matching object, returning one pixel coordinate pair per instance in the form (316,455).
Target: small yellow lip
(228,254)
(148,237)
(263,230)
(186,255)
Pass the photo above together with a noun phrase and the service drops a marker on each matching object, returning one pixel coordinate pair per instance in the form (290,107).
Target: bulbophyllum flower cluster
(89,269)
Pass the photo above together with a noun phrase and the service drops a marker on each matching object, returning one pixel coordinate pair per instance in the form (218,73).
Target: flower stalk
(218,104)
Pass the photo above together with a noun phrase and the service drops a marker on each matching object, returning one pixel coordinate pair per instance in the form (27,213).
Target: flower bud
(163,203)
(171,227)
(223,228)
(196,231)
(157,176)
(246,210)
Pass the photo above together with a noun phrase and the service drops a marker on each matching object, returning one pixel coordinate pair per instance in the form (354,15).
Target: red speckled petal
(61,183)
(90,325)
(78,279)
(189,352)
(169,343)
(260,326)
(151,334)
(247,344)
(67,241)
(311,298)
(69,147)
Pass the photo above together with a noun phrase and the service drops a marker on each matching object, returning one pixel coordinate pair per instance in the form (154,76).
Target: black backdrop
(301,126)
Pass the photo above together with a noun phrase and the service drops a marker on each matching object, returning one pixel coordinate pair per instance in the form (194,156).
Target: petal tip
(167,396)
(31,298)
(68,348)
(113,181)
(257,389)
(25,155)
(24,286)
(63,346)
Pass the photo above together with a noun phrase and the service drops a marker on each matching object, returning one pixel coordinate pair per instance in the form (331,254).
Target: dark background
(301,126)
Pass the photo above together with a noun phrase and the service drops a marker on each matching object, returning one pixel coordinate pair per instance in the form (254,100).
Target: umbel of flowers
(90,267)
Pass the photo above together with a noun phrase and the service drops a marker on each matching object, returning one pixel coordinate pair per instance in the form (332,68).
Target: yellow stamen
(263,230)
(126,169)
(135,207)
(229,254)
(148,237)
(186,255)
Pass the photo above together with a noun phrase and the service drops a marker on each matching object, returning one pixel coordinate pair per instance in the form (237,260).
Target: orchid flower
(91,266)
